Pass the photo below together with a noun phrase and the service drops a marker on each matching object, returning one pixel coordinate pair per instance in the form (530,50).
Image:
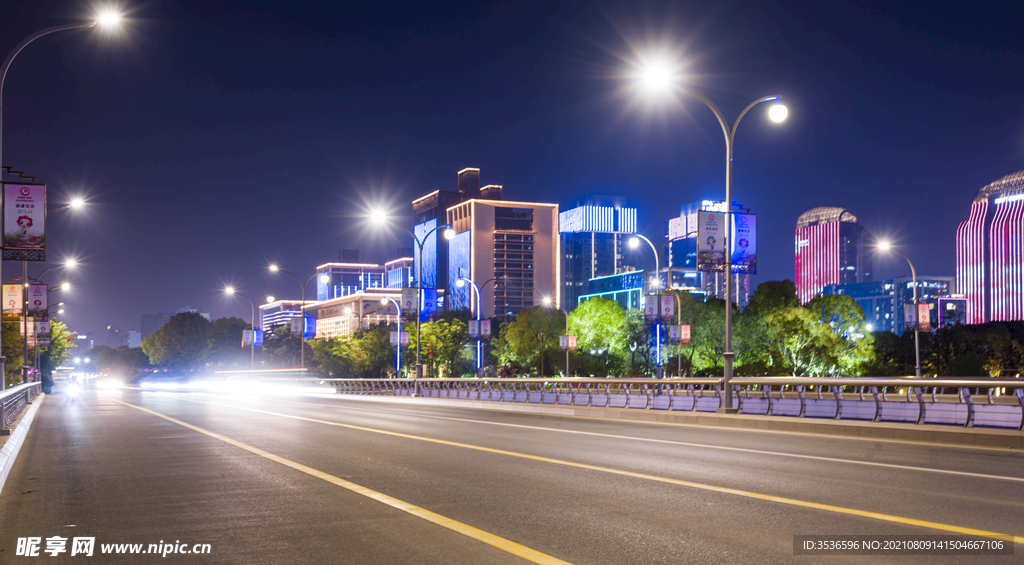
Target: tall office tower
(831,248)
(429,212)
(348,278)
(510,250)
(592,243)
(680,265)
(990,252)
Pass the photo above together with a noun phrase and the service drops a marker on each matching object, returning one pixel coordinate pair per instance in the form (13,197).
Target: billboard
(651,308)
(668,306)
(744,244)
(710,241)
(924,317)
(36,298)
(13,298)
(24,222)
(429,305)
(408,300)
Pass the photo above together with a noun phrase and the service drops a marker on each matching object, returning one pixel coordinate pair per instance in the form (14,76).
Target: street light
(634,242)
(324,278)
(479,356)
(398,343)
(886,246)
(777,114)
(230,291)
(381,217)
(548,302)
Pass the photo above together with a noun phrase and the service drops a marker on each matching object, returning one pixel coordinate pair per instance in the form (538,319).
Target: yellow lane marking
(685,444)
(701,486)
(445,522)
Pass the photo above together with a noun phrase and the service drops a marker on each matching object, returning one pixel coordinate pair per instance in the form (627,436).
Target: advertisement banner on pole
(909,317)
(246,338)
(572,343)
(563,342)
(310,332)
(429,306)
(12,299)
(924,317)
(668,307)
(651,308)
(24,222)
(42,332)
(474,329)
(36,299)
(710,241)
(673,334)
(684,333)
(485,329)
(744,244)
(259,338)
(394,338)
(408,300)
(404,339)
(295,326)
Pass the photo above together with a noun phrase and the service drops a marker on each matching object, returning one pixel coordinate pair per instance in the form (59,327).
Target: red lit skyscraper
(990,253)
(830,249)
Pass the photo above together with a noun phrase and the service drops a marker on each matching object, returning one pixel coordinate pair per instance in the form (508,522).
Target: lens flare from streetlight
(778,113)
(884,245)
(70,263)
(229,290)
(325,278)
(108,18)
(460,283)
(547,301)
(270,299)
(656,76)
(65,286)
(77,203)
(449,233)
(634,242)
(384,301)
(273,268)
(378,216)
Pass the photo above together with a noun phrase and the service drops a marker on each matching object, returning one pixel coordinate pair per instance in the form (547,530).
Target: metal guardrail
(966,402)
(13,400)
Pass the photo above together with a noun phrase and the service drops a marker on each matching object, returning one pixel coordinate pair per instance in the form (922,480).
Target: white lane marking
(701,445)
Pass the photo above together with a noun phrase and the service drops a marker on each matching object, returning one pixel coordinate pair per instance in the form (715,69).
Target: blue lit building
(626,288)
(882,301)
(592,244)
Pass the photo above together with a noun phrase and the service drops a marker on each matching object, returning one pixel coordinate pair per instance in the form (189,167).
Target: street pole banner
(744,244)
(563,342)
(909,317)
(924,317)
(246,338)
(404,339)
(42,332)
(394,338)
(710,241)
(572,343)
(36,300)
(24,222)
(673,334)
(310,328)
(474,329)
(485,329)
(684,333)
(296,326)
(668,306)
(258,336)
(408,300)
(429,306)
(12,298)
(651,308)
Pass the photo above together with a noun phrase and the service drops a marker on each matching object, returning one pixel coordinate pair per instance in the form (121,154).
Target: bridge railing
(13,400)
(968,402)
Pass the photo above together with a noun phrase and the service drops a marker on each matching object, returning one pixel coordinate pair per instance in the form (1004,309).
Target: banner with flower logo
(24,222)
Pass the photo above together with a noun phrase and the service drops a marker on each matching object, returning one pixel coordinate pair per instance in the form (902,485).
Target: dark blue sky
(212,138)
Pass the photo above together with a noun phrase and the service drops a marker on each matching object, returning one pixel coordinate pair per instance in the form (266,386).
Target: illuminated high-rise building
(681,272)
(831,248)
(592,243)
(990,252)
(509,249)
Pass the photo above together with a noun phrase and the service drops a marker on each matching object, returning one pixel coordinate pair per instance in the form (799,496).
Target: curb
(10,450)
(894,431)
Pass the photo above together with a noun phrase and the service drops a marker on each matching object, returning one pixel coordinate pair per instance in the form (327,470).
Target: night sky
(213,138)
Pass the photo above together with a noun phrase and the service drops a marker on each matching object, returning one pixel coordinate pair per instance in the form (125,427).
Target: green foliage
(531,341)
(55,354)
(13,351)
(365,354)
(442,349)
(600,325)
(123,362)
(189,342)
(770,296)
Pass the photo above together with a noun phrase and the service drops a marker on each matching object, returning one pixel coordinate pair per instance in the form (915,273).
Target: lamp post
(324,278)
(449,233)
(106,19)
(252,323)
(547,302)
(479,357)
(886,246)
(634,242)
(398,344)
(660,77)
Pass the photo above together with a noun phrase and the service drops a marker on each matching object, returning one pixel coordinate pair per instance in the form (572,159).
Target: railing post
(920,402)
(966,395)
(837,392)
(803,401)
(1020,401)
(878,405)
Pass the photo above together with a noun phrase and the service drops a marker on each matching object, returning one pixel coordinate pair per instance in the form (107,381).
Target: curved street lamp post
(886,246)
(324,278)
(398,345)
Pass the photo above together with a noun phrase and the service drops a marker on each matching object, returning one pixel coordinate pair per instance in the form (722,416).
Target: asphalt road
(280,479)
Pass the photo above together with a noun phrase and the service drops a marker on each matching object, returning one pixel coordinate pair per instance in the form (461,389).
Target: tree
(181,343)
(804,343)
(530,339)
(224,346)
(600,326)
(770,296)
(443,345)
(845,317)
(13,351)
